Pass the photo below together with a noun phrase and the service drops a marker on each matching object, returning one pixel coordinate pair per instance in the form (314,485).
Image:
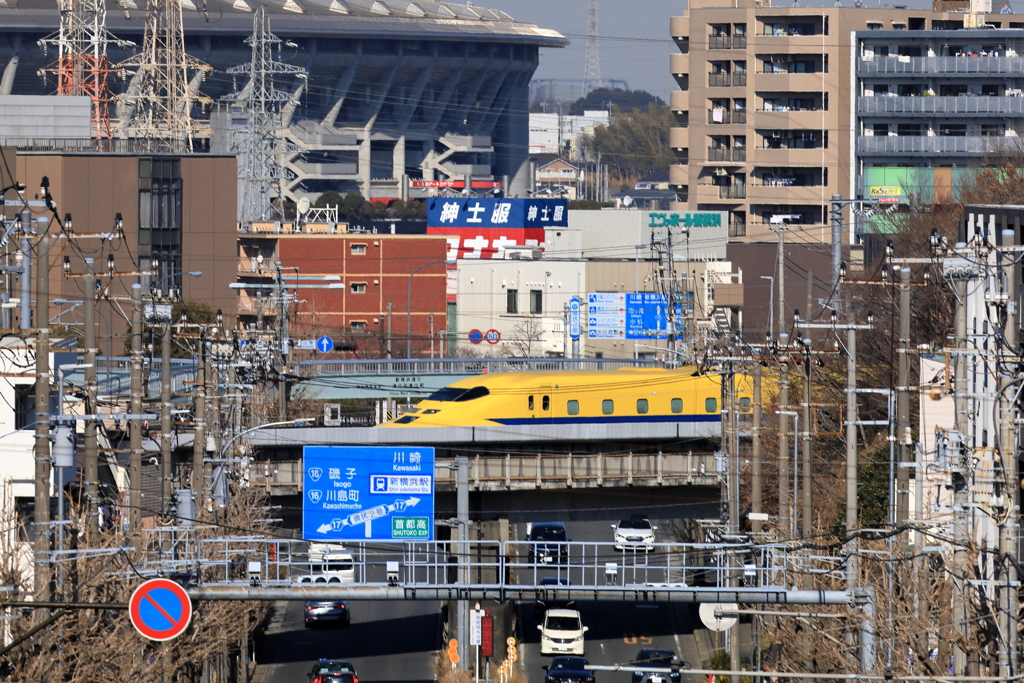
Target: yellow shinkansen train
(576,397)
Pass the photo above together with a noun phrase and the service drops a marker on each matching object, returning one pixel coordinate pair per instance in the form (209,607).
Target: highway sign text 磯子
(381,493)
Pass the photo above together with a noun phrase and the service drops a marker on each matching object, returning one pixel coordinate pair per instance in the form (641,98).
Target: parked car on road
(562,633)
(548,543)
(568,670)
(655,659)
(634,534)
(326,611)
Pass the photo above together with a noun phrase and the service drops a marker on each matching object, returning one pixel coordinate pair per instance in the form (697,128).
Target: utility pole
(91,473)
(785,524)
(808,511)
(199,431)
(734,501)
(213,372)
(462,524)
(135,420)
(852,569)
(1009,532)
(755,483)
(166,490)
(903,432)
(25,307)
(961,513)
(282,327)
(389,330)
(41,516)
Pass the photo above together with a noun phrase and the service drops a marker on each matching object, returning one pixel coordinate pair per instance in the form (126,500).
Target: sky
(635,44)
(641,61)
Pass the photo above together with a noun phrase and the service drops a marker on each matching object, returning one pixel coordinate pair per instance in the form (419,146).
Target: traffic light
(347,347)
(453,651)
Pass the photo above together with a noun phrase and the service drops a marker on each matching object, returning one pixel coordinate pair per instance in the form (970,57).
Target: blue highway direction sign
(354,493)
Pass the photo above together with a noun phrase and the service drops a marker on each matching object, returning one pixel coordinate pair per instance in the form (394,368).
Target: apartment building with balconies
(766,113)
(931,106)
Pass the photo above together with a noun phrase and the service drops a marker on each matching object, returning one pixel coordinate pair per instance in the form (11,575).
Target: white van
(330,563)
(562,633)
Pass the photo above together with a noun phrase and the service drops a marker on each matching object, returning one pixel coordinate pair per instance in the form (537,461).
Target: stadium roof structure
(411,19)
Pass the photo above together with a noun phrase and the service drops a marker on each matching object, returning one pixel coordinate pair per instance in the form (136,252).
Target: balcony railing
(737,228)
(903,144)
(739,42)
(732,191)
(924,66)
(719,42)
(940,105)
(725,116)
(719,80)
(718,154)
(739,153)
(739,79)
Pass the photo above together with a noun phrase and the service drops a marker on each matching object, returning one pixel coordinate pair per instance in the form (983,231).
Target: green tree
(351,206)
(328,198)
(626,100)
(636,143)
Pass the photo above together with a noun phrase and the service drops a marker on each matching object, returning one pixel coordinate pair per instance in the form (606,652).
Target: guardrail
(466,366)
(538,471)
(933,66)
(940,105)
(225,562)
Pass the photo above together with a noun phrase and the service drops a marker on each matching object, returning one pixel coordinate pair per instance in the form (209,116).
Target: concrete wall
(44,116)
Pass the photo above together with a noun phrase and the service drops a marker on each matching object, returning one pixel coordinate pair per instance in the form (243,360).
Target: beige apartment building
(765,107)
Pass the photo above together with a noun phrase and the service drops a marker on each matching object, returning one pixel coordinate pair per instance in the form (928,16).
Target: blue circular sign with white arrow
(324,344)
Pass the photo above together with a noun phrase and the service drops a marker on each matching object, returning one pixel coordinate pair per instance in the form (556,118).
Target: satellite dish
(718,616)
(303,207)
(627,200)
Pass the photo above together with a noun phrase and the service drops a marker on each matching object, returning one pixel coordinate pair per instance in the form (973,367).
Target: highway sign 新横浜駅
(160,609)
(353,493)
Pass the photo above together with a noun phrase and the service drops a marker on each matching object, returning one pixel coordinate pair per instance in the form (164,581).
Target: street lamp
(408,303)
(300,420)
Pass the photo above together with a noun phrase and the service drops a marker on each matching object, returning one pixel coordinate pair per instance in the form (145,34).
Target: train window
(711,405)
(545,403)
(475,392)
(744,404)
(677,405)
(529,403)
(607,406)
(572,407)
(641,405)
(406,419)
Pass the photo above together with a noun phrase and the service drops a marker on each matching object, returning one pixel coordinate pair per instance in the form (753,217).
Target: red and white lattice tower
(82,67)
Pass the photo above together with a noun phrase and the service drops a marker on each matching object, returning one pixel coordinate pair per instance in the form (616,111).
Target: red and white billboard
(487,242)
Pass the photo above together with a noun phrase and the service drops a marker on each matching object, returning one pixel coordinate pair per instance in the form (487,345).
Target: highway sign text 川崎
(380,493)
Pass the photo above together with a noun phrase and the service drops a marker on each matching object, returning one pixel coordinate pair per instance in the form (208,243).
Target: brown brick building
(344,284)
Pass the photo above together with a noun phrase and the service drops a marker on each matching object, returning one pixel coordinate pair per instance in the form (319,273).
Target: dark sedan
(326,611)
(568,670)
(655,659)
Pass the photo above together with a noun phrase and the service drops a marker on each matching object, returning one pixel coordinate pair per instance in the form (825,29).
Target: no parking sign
(160,609)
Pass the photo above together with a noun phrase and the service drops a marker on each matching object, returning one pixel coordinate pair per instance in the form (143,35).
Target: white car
(636,533)
(330,567)
(562,633)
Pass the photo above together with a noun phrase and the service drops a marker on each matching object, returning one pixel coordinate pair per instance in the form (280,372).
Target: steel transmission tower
(262,143)
(160,97)
(592,73)
(82,67)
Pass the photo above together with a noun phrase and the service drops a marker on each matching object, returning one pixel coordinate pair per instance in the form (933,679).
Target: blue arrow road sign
(574,317)
(353,493)
(324,344)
